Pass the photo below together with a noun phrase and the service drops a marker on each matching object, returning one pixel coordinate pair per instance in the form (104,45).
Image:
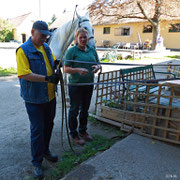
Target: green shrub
(7,71)
(119,57)
(128,57)
(6,34)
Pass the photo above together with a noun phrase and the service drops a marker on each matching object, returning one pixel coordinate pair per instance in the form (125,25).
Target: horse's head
(65,34)
(85,23)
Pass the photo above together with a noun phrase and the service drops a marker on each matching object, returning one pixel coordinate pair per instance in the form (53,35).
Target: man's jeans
(80,99)
(41,117)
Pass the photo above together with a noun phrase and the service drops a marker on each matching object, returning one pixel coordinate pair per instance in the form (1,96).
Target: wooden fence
(155,115)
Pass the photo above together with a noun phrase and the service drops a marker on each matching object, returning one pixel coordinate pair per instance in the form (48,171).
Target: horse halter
(85,20)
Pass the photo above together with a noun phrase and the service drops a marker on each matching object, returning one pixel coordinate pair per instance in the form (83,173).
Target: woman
(80,96)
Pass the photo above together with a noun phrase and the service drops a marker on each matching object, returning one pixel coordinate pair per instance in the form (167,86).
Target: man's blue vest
(35,92)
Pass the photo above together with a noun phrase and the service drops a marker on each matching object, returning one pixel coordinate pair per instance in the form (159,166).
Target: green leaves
(7,71)
(52,19)
(6,33)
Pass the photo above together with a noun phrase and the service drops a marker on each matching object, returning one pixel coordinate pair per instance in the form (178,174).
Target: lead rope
(63,96)
(99,73)
(64,112)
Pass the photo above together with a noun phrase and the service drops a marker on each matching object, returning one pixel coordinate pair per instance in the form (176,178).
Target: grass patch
(70,160)
(105,60)
(173,57)
(164,57)
(154,57)
(131,59)
(93,120)
(7,71)
(111,61)
(104,125)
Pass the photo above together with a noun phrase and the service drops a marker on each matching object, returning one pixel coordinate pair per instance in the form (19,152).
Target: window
(174,27)
(122,31)
(106,30)
(117,31)
(147,29)
(125,31)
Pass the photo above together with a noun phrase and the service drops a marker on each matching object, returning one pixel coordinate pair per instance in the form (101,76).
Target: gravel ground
(14,124)
(15,152)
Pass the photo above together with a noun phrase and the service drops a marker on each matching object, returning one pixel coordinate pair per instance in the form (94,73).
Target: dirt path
(15,134)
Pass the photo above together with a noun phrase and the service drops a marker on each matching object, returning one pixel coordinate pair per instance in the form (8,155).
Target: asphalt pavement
(134,158)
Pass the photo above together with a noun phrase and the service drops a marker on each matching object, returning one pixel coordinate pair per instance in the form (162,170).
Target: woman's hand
(70,70)
(83,71)
(96,68)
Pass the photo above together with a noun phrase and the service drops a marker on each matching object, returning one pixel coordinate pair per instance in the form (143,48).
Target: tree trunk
(156,26)
(156,34)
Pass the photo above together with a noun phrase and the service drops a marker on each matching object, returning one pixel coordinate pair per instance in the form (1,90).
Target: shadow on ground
(15,155)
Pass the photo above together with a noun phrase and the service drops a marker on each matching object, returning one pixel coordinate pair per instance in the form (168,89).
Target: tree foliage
(52,19)
(5,31)
(153,11)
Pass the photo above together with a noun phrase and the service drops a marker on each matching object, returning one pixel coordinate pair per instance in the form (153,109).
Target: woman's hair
(81,30)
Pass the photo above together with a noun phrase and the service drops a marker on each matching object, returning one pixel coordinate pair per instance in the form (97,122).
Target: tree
(52,19)
(153,11)
(5,31)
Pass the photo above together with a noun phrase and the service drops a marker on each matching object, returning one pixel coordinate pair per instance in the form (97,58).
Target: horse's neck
(63,38)
(70,31)
(49,39)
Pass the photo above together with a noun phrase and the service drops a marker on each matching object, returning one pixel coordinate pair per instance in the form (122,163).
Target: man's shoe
(86,136)
(51,157)
(79,141)
(38,173)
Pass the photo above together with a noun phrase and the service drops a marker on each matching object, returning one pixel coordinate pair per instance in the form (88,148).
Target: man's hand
(54,78)
(96,68)
(83,71)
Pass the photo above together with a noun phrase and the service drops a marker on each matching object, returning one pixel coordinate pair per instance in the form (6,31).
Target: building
(107,29)
(22,26)
(135,31)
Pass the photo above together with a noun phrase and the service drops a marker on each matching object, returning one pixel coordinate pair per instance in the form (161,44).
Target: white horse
(64,35)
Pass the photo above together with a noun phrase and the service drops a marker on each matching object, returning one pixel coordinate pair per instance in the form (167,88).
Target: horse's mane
(52,30)
(64,35)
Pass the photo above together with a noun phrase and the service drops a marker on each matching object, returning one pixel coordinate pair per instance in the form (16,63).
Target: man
(35,68)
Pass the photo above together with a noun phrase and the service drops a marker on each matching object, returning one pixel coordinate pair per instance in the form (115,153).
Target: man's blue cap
(42,27)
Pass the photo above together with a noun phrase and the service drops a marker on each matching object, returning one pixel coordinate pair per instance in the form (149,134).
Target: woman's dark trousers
(80,99)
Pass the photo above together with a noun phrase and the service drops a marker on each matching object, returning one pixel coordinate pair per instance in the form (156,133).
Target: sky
(14,8)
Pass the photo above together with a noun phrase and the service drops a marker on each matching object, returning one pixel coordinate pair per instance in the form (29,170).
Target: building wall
(14,31)
(171,39)
(24,28)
